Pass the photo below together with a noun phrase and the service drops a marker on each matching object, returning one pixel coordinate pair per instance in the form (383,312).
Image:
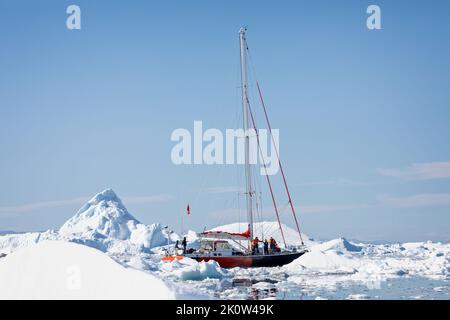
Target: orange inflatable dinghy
(172,258)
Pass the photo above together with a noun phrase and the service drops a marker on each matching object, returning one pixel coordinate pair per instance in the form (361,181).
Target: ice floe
(105,224)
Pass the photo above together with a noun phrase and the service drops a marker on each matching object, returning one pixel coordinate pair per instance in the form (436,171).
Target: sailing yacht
(226,248)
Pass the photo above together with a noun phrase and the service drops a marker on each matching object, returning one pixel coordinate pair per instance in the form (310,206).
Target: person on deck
(184,244)
(272,245)
(255,246)
(276,248)
(266,247)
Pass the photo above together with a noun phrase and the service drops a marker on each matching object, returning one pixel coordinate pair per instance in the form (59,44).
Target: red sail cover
(226,235)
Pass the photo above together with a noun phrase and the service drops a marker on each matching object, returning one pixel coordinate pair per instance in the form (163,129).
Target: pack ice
(103,227)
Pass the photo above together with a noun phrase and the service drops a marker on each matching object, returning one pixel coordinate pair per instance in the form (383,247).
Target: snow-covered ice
(335,269)
(189,269)
(104,223)
(63,270)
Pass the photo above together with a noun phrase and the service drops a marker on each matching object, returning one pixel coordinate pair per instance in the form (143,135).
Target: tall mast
(245,107)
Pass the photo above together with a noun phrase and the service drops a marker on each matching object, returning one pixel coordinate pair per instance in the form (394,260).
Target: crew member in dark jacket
(266,247)
(184,244)
(255,246)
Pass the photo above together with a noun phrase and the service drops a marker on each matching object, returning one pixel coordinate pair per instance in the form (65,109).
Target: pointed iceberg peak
(104,223)
(105,195)
(105,198)
(340,245)
(102,216)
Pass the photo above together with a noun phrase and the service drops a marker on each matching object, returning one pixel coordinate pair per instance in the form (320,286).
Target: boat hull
(252,261)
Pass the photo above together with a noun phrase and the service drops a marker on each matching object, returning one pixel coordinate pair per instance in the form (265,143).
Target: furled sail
(226,235)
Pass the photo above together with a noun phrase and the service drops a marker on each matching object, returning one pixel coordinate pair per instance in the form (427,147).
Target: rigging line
(239,181)
(276,149)
(221,172)
(200,191)
(273,141)
(259,207)
(282,211)
(279,162)
(230,124)
(267,176)
(272,228)
(257,190)
(261,214)
(239,173)
(239,212)
(262,226)
(256,177)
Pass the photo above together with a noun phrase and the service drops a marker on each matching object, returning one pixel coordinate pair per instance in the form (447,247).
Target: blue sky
(363,115)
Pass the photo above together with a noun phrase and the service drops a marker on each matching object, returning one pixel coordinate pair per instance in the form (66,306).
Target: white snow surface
(105,224)
(361,261)
(12,242)
(189,269)
(63,270)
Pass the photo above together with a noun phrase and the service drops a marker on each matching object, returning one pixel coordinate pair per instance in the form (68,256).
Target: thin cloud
(269,212)
(418,200)
(31,207)
(148,199)
(420,171)
(227,189)
(331,208)
(334,182)
(230,214)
